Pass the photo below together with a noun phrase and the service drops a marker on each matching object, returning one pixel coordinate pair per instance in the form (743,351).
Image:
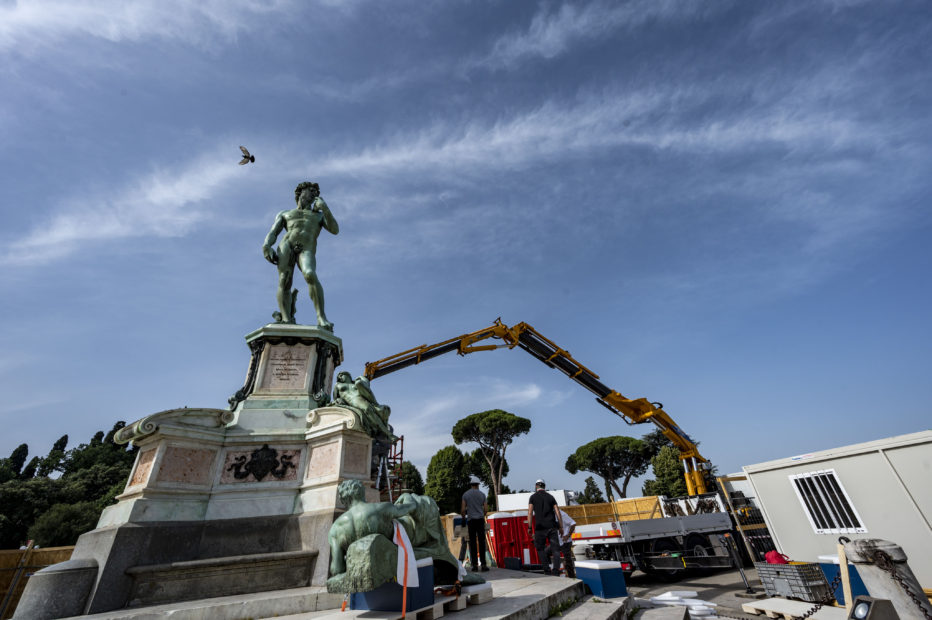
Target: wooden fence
(17,565)
(631,509)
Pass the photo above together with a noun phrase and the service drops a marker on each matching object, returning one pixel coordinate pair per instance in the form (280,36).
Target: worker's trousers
(569,562)
(541,536)
(476,529)
(568,559)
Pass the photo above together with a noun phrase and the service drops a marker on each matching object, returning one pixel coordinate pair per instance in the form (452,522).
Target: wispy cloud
(168,202)
(163,203)
(656,118)
(553,32)
(30,25)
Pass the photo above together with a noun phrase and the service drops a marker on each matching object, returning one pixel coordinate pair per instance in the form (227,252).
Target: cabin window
(826,503)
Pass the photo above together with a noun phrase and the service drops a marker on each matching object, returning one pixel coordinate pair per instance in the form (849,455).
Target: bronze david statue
(302,226)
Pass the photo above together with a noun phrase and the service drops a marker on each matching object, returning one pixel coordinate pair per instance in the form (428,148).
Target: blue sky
(722,206)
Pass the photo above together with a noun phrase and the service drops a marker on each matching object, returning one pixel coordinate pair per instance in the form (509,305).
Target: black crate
(802,580)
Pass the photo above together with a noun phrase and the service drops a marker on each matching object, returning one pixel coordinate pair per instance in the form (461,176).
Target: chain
(815,608)
(885,562)
(830,597)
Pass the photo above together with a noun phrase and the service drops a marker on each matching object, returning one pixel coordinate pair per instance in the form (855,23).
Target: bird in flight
(246,156)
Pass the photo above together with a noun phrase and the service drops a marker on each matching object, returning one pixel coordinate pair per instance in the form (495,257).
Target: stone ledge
(219,562)
(222,576)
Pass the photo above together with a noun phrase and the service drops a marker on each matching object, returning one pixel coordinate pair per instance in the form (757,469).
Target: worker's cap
(540,483)
(474,480)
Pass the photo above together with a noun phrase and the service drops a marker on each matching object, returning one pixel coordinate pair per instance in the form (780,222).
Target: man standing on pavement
(473,510)
(548,522)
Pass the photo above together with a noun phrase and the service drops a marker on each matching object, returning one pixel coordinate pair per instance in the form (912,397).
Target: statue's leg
(308,265)
(285,278)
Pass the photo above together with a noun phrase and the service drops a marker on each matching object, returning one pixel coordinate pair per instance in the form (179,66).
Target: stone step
(594,608)
(470,596)
(523,597)
(257,605)
(663,613)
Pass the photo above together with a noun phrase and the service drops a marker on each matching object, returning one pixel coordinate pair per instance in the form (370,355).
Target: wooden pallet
(792,610)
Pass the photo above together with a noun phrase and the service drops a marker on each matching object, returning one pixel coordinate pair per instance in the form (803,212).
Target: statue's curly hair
(349,490)
(303,186)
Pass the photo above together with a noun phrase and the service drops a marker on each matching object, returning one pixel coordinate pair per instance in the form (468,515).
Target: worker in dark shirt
(543,513)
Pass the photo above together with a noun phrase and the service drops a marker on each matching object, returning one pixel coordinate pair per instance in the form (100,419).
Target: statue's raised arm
(330,222)
(298,248)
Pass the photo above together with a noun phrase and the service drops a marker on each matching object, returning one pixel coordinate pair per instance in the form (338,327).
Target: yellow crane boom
(524,336)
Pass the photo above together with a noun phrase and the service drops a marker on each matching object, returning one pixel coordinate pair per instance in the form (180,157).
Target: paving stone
(594,608)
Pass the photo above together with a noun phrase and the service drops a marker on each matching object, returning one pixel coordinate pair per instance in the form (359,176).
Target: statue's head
(351,491)
(314,187)
(344,377)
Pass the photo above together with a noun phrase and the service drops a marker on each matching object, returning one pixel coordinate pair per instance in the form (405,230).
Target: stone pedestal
(233,494)
(290,372)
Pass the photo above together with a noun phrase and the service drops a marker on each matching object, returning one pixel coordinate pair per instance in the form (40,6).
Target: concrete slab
(516,596)
(725,588)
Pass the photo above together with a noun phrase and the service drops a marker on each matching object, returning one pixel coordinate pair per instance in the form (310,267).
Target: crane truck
(666,545)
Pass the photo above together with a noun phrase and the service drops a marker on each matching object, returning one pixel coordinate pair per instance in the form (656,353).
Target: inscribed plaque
(286,367)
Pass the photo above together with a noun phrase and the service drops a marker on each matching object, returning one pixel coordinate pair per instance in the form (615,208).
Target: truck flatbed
(646,529)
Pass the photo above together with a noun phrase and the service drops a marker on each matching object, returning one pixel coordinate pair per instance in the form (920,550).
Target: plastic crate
(802,580)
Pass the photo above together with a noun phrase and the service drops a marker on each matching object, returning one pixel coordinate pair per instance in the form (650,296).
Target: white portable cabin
(509,502)
(879,489)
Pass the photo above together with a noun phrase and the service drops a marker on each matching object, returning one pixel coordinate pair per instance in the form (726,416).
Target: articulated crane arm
(526,337)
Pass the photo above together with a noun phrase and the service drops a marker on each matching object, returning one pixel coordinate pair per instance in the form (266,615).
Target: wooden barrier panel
(17,565)
(630,509)
(452,543)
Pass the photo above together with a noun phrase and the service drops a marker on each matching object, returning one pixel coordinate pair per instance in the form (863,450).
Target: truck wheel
(697,545)
(667,545)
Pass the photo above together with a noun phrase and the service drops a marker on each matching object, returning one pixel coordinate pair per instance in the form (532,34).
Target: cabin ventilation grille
(826,503)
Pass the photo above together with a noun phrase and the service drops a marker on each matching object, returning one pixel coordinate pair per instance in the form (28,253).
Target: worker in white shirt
(566,544)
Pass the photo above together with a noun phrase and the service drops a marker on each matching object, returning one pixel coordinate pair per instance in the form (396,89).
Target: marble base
(226,473)
(226,499)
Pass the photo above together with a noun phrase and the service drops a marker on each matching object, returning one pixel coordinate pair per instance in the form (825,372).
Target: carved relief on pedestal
(261,464)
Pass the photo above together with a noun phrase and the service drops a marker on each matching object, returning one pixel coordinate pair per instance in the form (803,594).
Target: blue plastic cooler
(605,578)
(387,597)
